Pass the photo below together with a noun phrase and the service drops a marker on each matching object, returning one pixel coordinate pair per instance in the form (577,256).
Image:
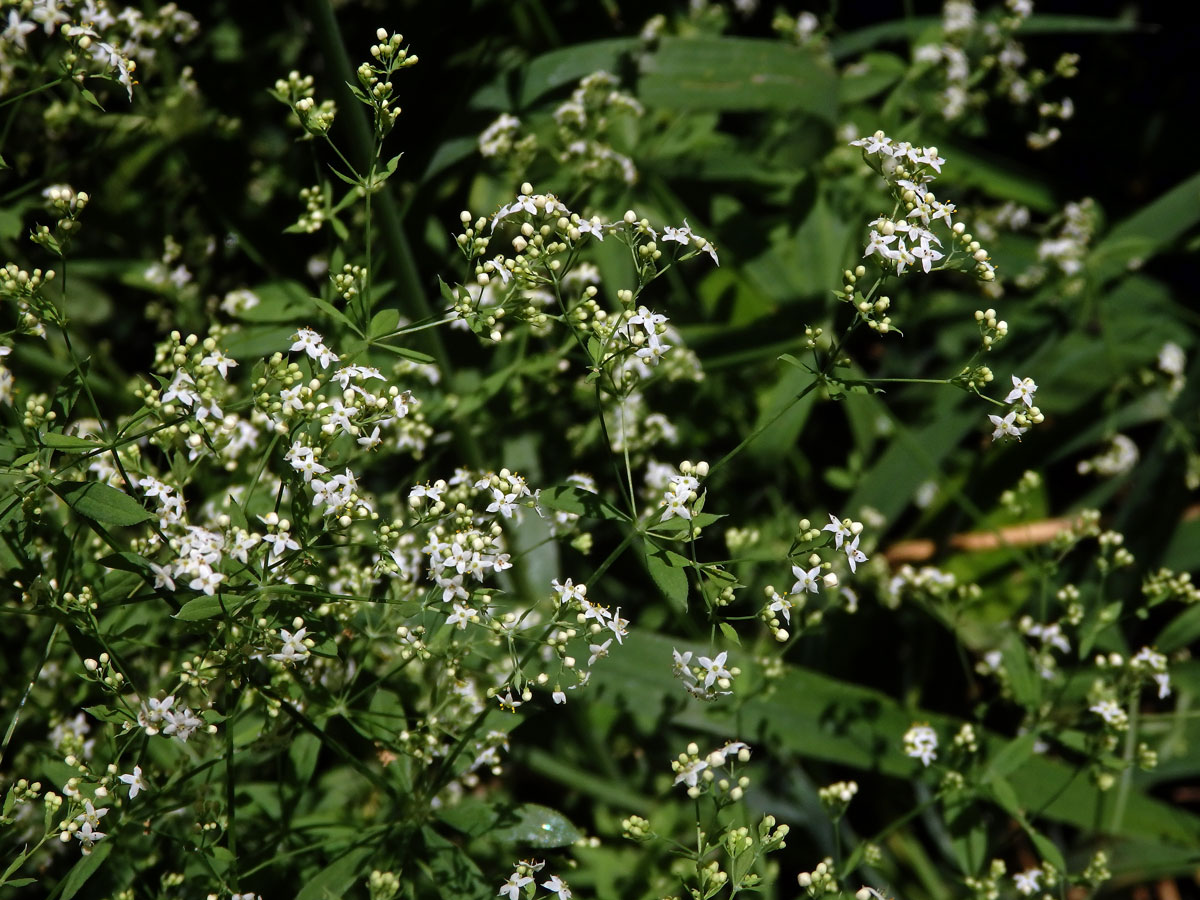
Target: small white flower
(135,781)
(1027,882)
(714,668)
(854,556)
(920,742)
(806,581)
(1023,390)
(556,885)
(1005,427)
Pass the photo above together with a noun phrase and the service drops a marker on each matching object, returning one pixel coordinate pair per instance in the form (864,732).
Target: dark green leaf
(101,503)
(670,576)
(725,73)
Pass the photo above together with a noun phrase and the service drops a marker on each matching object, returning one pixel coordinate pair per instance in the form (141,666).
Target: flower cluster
(905,239)
(921,742)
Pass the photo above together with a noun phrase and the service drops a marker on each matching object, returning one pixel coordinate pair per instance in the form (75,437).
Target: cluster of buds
(374,79)
(296,91)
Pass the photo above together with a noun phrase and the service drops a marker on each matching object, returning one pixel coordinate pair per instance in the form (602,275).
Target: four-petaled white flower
(1023,390)
(556,885)
(839,529)
(806,581)
(512,887)
(714,668)
(135,781)
(920,742)
(1006,427)
(853,555)
(1027,882)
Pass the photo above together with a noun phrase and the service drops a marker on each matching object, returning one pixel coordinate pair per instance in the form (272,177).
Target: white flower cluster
(1119,457)
(908,241)
(1017,421)
(110,36)
(921,742)
(682,493)
(709,678)
(162,717)
(524,874)
(691,768)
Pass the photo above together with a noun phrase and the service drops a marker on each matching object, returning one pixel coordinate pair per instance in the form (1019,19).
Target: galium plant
(303,602)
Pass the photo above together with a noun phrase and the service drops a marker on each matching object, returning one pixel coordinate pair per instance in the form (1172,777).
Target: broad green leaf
(572,499)
(870,75)
(536,826)
(669,574)
(278,301)
(101,503)
(1181,631)
(383,323)
(57,441)
(726,73)
(1149,230)
(1011,757)
(83,870)
(202,607)
(569,64)
(471,816)
(258,341)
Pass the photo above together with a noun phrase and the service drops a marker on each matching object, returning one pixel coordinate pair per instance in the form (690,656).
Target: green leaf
(56,441)
(537,826)
(471,816)
(106,714)
(1011,757)
(668,573)
(335,879)
(259,341)
(873,73)
(569,64)
(1148,231)
(90,98)
(730,633)
(303,752)
(101,503)
(202,607)
(384,322)
(724,73)
(278,301)
(83,870)
(572,499)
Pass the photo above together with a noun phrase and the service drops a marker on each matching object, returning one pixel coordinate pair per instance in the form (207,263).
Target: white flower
(598,651)
(679,235)
(1171,359)
(135,781)
(690,773)
(294,649)
(1111,712)
(714,668)
(568,591)
(218,360)
(556,885)
(839,529)
(920,742)
(87,837)
(806,581)
(1023,390)
(854,556)
(512,887)
(1005,427)
(1027,881)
